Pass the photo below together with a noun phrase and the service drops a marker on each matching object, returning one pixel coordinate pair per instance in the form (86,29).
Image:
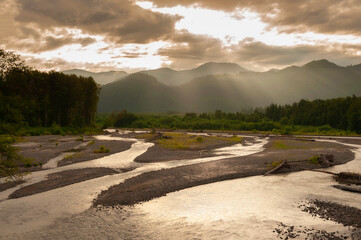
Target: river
(246,208)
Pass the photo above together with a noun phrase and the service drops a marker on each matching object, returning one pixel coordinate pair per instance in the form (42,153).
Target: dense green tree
(33,98)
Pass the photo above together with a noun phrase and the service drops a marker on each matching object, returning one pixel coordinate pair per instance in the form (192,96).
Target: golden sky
(101,35)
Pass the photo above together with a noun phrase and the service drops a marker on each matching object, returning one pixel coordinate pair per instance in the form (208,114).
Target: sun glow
(234,27)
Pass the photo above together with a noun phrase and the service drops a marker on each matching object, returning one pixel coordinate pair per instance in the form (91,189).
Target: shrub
(102,149)
(314,159)
(199,139)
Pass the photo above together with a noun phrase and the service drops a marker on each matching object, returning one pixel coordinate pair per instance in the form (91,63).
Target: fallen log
(276,168)
(316,170)
(355,189)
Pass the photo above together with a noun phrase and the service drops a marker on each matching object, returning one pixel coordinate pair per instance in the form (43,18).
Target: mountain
(101,78)
(356,68)
(323,63)
(175,78)
(138,92)
(231,92)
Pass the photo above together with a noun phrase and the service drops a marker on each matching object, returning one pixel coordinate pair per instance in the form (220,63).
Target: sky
(132,35)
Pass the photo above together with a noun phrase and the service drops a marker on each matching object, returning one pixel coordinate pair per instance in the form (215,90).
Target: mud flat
(61,179)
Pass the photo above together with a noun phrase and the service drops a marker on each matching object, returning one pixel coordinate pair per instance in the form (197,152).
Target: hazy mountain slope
(101,77)
(232,92)
(138,92)
(356,68)
(175,78)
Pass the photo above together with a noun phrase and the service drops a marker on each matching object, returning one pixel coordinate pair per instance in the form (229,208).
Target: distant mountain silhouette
(175,78)
(323,63)
(356,68)
(101,77)
(321,79)
(138,92)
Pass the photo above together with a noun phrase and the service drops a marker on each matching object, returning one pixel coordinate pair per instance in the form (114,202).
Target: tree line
(33,98)
(334,116)
(339,113)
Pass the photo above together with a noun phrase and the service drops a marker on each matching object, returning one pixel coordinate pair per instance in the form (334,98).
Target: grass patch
(296,144)
(281,144)
(90,143)
(72,156)
(147,136)
(69,156)
(102,149)
(274,164)
(176,141)
(314,159)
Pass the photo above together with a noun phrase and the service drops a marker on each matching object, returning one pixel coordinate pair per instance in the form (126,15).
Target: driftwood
(276,168)
(327,159)
(316,170)
(348,188)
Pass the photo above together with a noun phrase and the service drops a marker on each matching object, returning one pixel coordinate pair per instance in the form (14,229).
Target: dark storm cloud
(119,20)
(328,16)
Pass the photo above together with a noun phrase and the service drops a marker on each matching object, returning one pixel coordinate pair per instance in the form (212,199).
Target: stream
(246,208)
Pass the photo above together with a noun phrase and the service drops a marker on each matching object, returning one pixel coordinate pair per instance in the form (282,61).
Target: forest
(334,116)
(30,98)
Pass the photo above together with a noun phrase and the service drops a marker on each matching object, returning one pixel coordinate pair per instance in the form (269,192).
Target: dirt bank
(61,179)
(6,185)
(40,149)
(184,146)
(88,153)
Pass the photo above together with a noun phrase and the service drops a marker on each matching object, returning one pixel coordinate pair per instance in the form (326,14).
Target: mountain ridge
(101,78)
(232,92)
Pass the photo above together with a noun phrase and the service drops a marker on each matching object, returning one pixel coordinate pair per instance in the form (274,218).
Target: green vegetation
(31,100)
(72,156)
(314,159)
(199,139)
(279,144)
(274,164)
(80,139)
(39,103)
(305,117)
(102,149)
(176,141)
(90,143)
(339,113)
(10,161)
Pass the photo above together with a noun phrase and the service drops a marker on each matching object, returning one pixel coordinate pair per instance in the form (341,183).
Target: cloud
(328,16)
(188,50)
(254,53)
(120,21)
(192,50)
(59,64)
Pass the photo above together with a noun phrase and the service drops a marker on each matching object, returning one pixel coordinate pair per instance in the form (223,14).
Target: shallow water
(246,208)
(24,215)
